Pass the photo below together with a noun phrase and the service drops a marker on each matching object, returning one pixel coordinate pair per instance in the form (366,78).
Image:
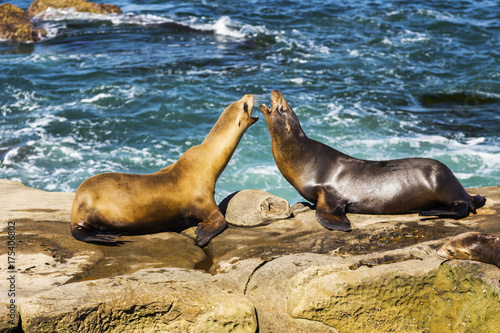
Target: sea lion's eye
(245,107)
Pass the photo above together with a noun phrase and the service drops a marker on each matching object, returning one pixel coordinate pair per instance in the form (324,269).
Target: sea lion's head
(472,246)
(280,117)
(241,112)
(459,247)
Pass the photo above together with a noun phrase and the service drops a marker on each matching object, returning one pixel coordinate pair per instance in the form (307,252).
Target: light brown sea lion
(138,204)
(340,184)
(472,246)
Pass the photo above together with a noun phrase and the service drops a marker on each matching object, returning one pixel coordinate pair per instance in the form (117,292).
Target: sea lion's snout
(253,118)
(276,99)
(444,252)
(265,110)
(248,101)
(279,107)
(278,102)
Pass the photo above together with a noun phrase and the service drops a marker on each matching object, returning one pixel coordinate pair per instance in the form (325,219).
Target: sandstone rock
(378,298)
(406,289)
(276,282)
(465,298)
(301,207)
(16,26)
(268,286)
(412,295)
(39,6)
(9,317)
(167,300)
(291,274)
(251,208)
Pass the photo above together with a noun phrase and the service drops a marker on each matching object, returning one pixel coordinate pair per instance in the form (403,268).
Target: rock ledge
(291,275)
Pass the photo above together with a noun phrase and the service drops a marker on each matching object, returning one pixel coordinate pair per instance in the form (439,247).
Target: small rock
(39,6)
(251,208)
(16,26)
(301,207)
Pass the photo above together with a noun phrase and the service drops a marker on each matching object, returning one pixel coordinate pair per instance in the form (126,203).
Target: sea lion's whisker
(258,99)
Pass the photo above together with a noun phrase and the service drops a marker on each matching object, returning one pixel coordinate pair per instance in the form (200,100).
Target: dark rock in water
(39,6)
(456,98)
(16,26)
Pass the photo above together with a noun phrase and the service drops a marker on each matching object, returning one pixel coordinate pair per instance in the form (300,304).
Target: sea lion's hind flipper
(459,210)
(331,213)
(209,228)
(478,200)
(85,235)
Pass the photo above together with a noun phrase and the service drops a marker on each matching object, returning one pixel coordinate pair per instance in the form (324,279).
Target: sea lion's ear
(288,128)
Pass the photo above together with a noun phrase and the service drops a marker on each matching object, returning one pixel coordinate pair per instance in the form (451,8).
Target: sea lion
(119,203)
(340,184)
(472,246)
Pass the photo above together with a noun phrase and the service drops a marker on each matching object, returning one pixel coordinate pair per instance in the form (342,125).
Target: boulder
(159,300)
(39,6)
(15,25)
(251,208)
(413,295)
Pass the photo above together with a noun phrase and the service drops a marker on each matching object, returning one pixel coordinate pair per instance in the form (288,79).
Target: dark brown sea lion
(473,246)
(139,204)
(340,184)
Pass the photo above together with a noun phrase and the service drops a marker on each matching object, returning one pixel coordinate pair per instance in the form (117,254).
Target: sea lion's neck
(289,142)
(290,147)
(213,154)
(220,144)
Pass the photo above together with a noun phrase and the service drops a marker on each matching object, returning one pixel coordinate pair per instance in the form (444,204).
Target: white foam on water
(410,37)
(37,126)
(8,159)
(263,170)
(226,27)
(297,80)
(96,98)
(67,14)
(53,20)
(140,19)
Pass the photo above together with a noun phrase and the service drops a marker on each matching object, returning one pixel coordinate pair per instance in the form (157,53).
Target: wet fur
(111,204)
(340,184)
(473,246)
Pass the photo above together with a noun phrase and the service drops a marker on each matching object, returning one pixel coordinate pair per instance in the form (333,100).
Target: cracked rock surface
(291,275)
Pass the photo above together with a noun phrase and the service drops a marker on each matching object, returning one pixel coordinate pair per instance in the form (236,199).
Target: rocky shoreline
(16,25)
(285,273)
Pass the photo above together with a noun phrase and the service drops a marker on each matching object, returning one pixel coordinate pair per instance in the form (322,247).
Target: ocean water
(130,93)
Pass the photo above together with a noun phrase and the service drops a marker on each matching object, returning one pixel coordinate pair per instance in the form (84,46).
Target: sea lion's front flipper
(212,224)
(330,213)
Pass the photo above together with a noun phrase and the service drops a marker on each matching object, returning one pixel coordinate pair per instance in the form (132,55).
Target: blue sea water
(130,93)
